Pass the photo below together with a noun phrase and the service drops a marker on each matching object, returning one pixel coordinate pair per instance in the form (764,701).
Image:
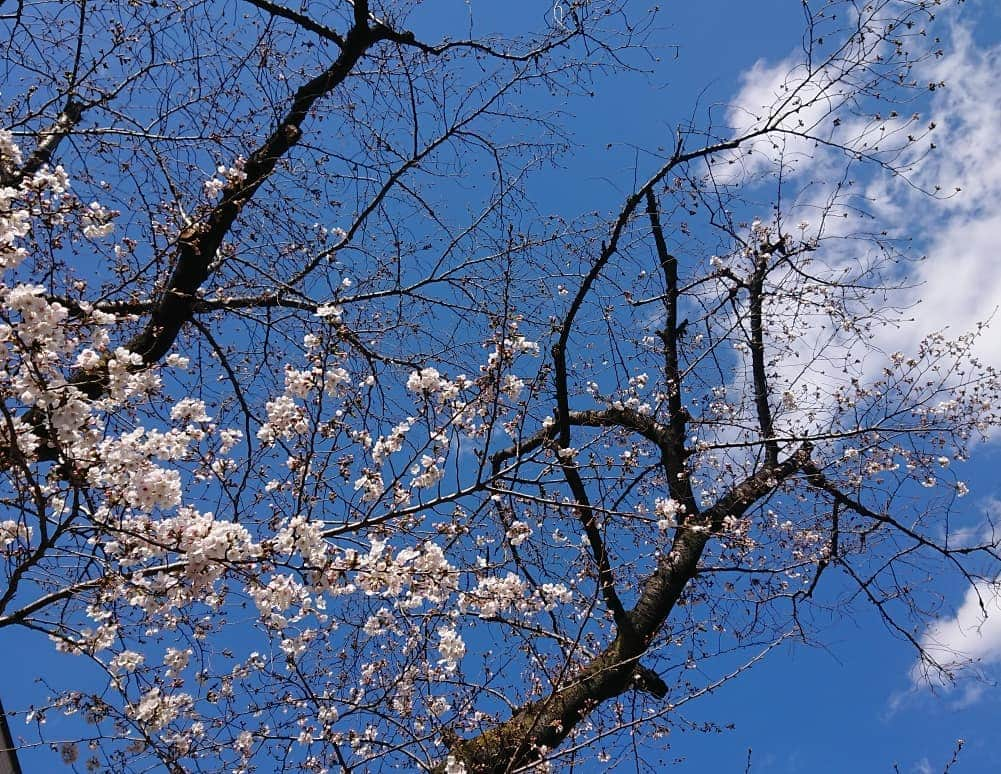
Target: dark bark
(542,725)
(198,244)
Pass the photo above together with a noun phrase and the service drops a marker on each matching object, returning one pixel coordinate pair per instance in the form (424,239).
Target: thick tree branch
(672,449)
(49,140)
(542,725)
(758,373)
(198,244)
(589,521)
(301,19)
(624,418)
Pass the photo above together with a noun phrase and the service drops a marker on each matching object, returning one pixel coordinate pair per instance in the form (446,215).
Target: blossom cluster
(226,177)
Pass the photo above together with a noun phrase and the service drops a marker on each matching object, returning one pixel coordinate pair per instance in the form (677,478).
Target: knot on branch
(650,682)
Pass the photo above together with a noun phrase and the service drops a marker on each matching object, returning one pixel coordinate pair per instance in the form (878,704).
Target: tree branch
(301,19)
(542,725)
(47,144)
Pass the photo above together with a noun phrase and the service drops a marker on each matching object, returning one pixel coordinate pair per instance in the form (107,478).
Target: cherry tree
(329,452)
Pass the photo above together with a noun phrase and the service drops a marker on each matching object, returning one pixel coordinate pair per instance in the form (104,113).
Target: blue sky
(853,704)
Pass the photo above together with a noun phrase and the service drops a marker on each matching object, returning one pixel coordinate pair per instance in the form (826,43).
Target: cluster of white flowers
(176,660)
(128,380)
(512,386)
(12,531)
(244,743)
(41,321)
(10,153)
(518,344)
(494,595)
(629,398)
(124,465)
(382,621)
(451,647)
(296,646)
(156,709)
(330,312)
(428,472)
(206,545)
(98,221)
(428,380)
(303,538)
(393,442)
(227,176)
(40,342)
(189,410)
(412,577)
(371,485)
(737,534)
(300,383)
(286,419)
(454,766)
(518,533)
(274,598)
(127,661)
(667,511)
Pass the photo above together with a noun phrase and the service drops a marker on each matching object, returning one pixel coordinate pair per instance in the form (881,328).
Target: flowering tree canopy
(329,459)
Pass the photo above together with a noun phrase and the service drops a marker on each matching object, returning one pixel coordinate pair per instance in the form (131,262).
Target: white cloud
(967,117)
(783,95)
(956,286)
(923,766)
(971,638)
(959,287)
(959,282)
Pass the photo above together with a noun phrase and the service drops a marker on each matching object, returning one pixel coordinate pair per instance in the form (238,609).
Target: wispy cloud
(972,638)
(958,283)
(960,286)
(966,645)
